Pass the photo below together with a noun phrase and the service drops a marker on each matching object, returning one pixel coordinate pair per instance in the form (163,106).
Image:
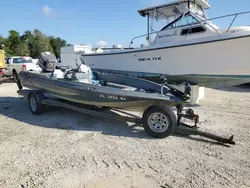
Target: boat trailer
(116,114)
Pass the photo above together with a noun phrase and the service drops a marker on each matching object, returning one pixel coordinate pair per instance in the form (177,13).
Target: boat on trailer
(77,91)
(189,47)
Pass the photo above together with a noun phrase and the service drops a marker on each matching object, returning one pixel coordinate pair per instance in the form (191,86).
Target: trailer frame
(180,128)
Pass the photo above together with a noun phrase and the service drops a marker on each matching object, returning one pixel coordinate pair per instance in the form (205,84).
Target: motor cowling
(47,61)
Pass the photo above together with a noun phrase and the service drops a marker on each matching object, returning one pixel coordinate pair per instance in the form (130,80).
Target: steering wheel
(71,71)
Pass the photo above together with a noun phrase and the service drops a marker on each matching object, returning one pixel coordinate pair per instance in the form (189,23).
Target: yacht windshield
(176,16)
(181,21)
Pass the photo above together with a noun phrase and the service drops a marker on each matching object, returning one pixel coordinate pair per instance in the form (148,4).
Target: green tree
(56,44)
(28,37)
(2,40)
(31,43)
(11,42)
(14,44)
(40,43)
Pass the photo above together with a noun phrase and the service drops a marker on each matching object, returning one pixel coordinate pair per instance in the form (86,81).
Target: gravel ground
(62,148)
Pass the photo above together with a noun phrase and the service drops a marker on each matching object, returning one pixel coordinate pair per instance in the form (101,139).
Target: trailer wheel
(159,121)
(35,103)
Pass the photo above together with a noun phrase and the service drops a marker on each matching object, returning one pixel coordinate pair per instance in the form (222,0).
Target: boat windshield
(176,16)
(181,21)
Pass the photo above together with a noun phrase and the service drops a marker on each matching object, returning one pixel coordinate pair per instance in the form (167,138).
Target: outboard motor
(47,61)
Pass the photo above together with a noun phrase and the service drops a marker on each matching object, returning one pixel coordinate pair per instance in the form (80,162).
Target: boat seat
(84,78)
(81,77)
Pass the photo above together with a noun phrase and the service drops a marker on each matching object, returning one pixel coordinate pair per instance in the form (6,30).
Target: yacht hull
(211,62)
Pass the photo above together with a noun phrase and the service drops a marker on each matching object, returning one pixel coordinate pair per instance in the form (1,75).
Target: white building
(70,55)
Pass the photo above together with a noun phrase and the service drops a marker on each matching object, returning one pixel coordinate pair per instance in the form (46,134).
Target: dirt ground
(62,148)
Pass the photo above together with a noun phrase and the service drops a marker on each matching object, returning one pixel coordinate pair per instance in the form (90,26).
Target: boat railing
(205,21)
(235,15)
(140,36)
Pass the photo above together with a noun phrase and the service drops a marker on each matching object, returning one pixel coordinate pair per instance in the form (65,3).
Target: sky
(95,22)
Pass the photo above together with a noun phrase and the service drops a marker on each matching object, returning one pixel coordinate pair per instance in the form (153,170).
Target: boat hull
(94,95)
(209,62)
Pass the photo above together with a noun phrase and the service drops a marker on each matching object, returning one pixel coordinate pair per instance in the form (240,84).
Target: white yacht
(188,48)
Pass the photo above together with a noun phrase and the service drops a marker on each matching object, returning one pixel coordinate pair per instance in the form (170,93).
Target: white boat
(189,48)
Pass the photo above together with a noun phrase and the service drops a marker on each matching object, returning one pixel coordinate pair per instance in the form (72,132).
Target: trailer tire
(159,121)
(35,103)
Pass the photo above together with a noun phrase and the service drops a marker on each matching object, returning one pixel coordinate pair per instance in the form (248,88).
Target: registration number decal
(112,97)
